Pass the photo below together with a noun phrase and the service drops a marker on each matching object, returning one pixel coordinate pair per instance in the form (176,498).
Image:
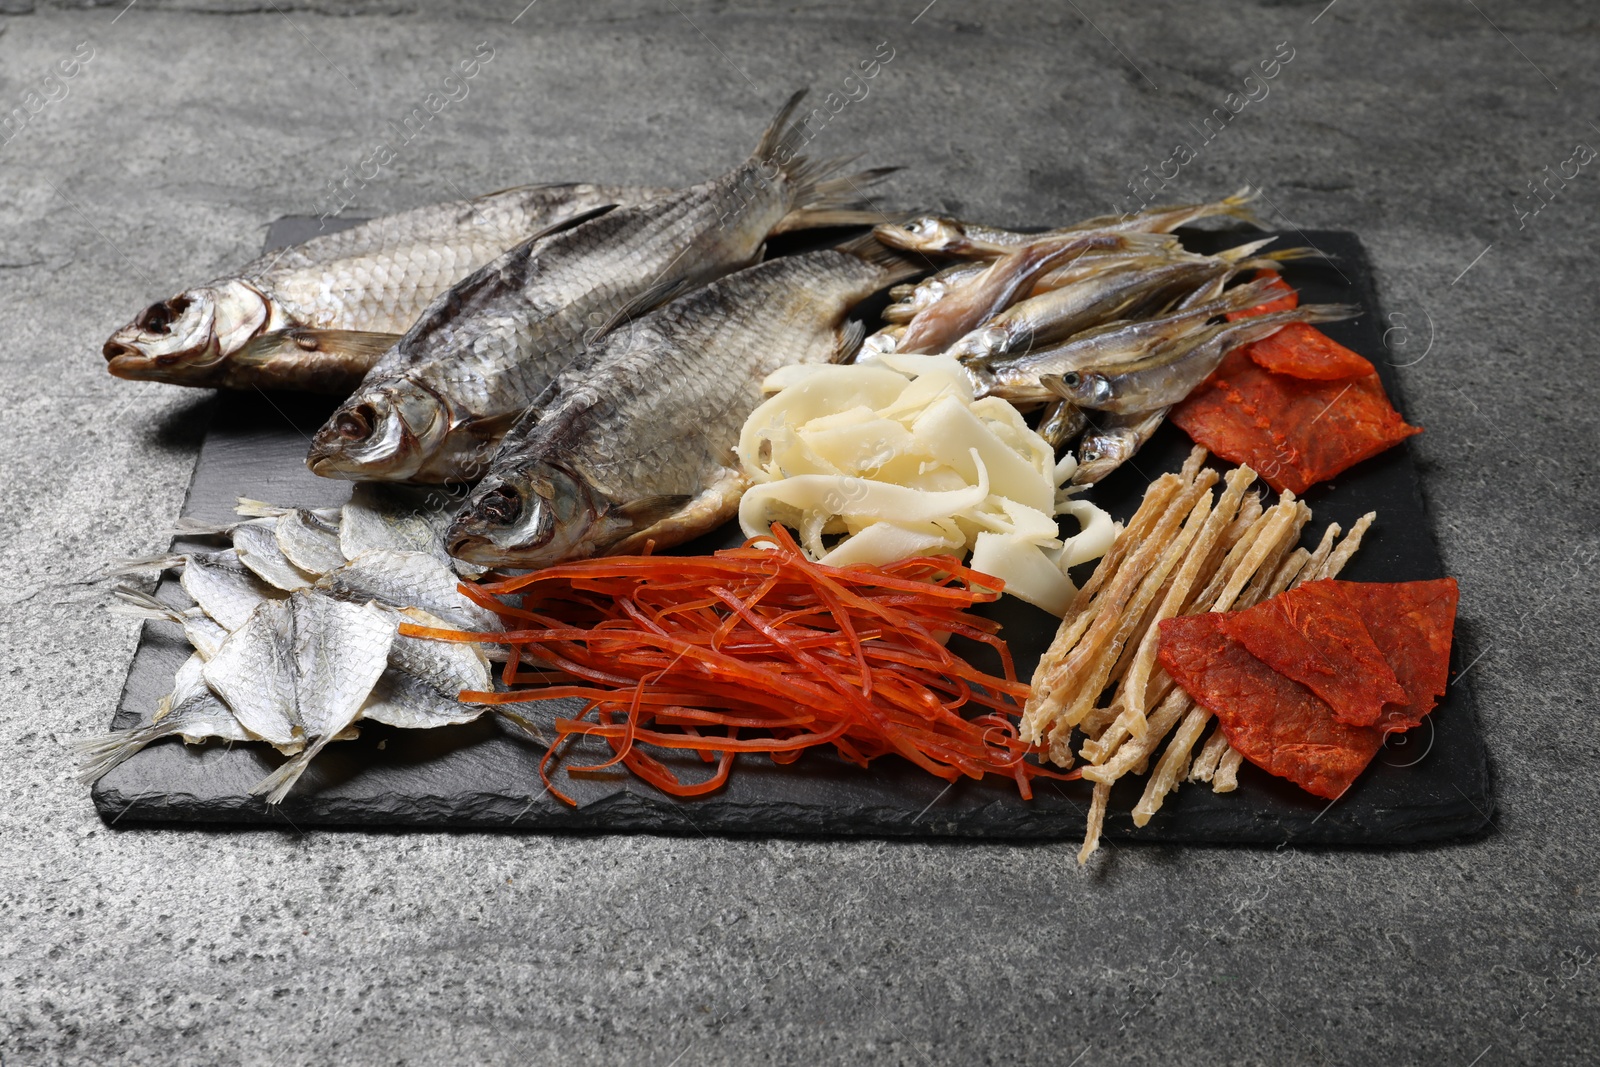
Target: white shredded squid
(893,459)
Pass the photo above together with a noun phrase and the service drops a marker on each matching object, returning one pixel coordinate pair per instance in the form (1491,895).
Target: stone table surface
(193,124)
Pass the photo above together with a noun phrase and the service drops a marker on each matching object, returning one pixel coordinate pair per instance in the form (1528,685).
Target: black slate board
(1426,786)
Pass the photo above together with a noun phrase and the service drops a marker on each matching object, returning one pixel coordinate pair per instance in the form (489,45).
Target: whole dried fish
(1171,372)
(940,235)
(317,315)
(435,406)
(636,444)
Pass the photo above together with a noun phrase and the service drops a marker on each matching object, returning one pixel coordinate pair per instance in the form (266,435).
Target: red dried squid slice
(1294,432)
(1275,722)
(1313,635)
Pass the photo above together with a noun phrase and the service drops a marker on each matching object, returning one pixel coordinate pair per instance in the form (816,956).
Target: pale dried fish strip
(1097,818)
(1131,596)
(256,541)
(1226,780)
(1211,753)
(1172,765)
(1135,751)
(1138,676)
(1347,547)
(1239,540)
(1275,526)
(1042,700)
(1287,571)
(1256,589)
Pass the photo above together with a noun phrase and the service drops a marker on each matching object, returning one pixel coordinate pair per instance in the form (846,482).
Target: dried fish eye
(1072,379)
(153,319)
(157,318)
(501,507)
(355,424)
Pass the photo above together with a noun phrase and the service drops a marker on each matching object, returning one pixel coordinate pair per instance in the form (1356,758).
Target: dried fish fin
(191,712)
(330,362)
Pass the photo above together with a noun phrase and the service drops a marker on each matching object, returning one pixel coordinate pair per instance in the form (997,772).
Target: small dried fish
(974,302)
(1113,442)
(1114,344)
(939,235)
(1172,371)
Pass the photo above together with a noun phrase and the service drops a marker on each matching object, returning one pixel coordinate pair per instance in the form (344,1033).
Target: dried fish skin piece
(420,689)
(254,672)
(409,580)
(256,542)
(338,652)
(219,583)
(396,517)
(309,541)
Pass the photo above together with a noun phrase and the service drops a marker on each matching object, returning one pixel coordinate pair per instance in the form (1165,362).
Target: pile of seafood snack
(545,389)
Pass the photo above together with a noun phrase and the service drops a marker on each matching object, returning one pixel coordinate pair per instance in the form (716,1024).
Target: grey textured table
(1418,127)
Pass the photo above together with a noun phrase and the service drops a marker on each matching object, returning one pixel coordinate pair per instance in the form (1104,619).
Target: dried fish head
(385,432)
(536,516)
(927,234)
(183,340)
(1084,390)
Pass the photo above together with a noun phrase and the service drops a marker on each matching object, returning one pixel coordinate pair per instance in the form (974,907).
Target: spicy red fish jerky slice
(1300,350)
(1412,623)
(1286,300)
(1275,722)
(1294,432)
(1313,635)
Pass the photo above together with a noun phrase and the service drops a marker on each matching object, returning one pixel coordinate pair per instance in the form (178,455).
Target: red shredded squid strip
(758,651)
